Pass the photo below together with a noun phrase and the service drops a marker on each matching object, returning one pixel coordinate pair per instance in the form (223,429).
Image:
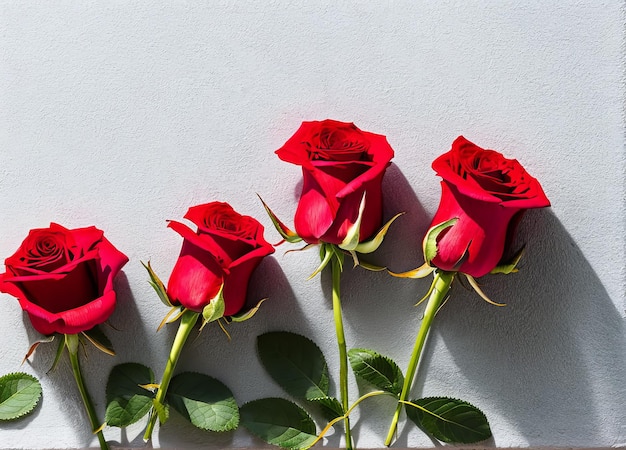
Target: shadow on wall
(550,362)
(59,384)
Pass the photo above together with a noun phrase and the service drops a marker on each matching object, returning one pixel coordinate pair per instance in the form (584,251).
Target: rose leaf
(204,401)
(19,394)
(449,420)
(376,369)
(279,422)
(127,400)
(295,363)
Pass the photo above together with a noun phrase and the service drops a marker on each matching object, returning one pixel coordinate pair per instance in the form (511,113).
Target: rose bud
(63,278)
(340,165)
(483,196)
(221,254)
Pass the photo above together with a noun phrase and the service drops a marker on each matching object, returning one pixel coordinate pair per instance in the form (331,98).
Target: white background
(124,114)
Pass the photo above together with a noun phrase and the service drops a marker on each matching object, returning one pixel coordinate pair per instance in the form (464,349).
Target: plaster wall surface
(124,114)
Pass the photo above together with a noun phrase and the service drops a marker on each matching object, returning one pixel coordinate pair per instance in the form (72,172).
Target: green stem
(187,321)
(440,287)
(341,342)
(71,342)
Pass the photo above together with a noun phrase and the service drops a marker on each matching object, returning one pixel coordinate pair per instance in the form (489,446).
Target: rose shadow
(95,365)
(378,309)
(549,362)
(213,354)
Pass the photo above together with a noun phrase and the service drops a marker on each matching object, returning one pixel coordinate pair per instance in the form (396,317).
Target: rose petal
(314,215)
(195,279)
(71,321)
(204,242)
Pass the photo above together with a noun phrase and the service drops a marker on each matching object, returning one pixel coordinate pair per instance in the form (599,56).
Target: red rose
(339,164)
(63,278)
(487,193)
(226,249)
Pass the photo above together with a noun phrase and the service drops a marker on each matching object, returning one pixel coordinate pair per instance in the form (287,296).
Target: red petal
(195,279)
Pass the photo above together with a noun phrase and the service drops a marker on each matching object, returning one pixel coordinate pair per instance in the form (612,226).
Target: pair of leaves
(299,367)
(206,402)
(446,419)
(19,394)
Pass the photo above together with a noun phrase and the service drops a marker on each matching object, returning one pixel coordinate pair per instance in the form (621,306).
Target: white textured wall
(124,114)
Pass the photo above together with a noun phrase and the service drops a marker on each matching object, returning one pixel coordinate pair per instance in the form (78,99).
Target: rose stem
(71,342)
(441,285)
(187,321)
(341,342)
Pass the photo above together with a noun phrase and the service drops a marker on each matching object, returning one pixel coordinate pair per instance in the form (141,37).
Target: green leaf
(430,240)
(158,285)
(19,394)
(376,369)
(279,422)
(372,245)
(330,406)
(127,401)
(99,340)
(295,363)
(449,420)
(206,402)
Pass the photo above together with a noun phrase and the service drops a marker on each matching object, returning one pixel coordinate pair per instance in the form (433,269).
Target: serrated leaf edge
(35,401)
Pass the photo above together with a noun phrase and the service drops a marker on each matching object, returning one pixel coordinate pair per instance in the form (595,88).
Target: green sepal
(57,356)
(373,244)
(243,316)
(326,254)
(19,394)
(71,342)
(421,272)
(175,313)
(337,253)
(472,281)
(286,233)
(158,285)
(215,309)
(449,420)
(99,340)
(368,266)
(509,266)
(33,347)
(351,241)
(430,240)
